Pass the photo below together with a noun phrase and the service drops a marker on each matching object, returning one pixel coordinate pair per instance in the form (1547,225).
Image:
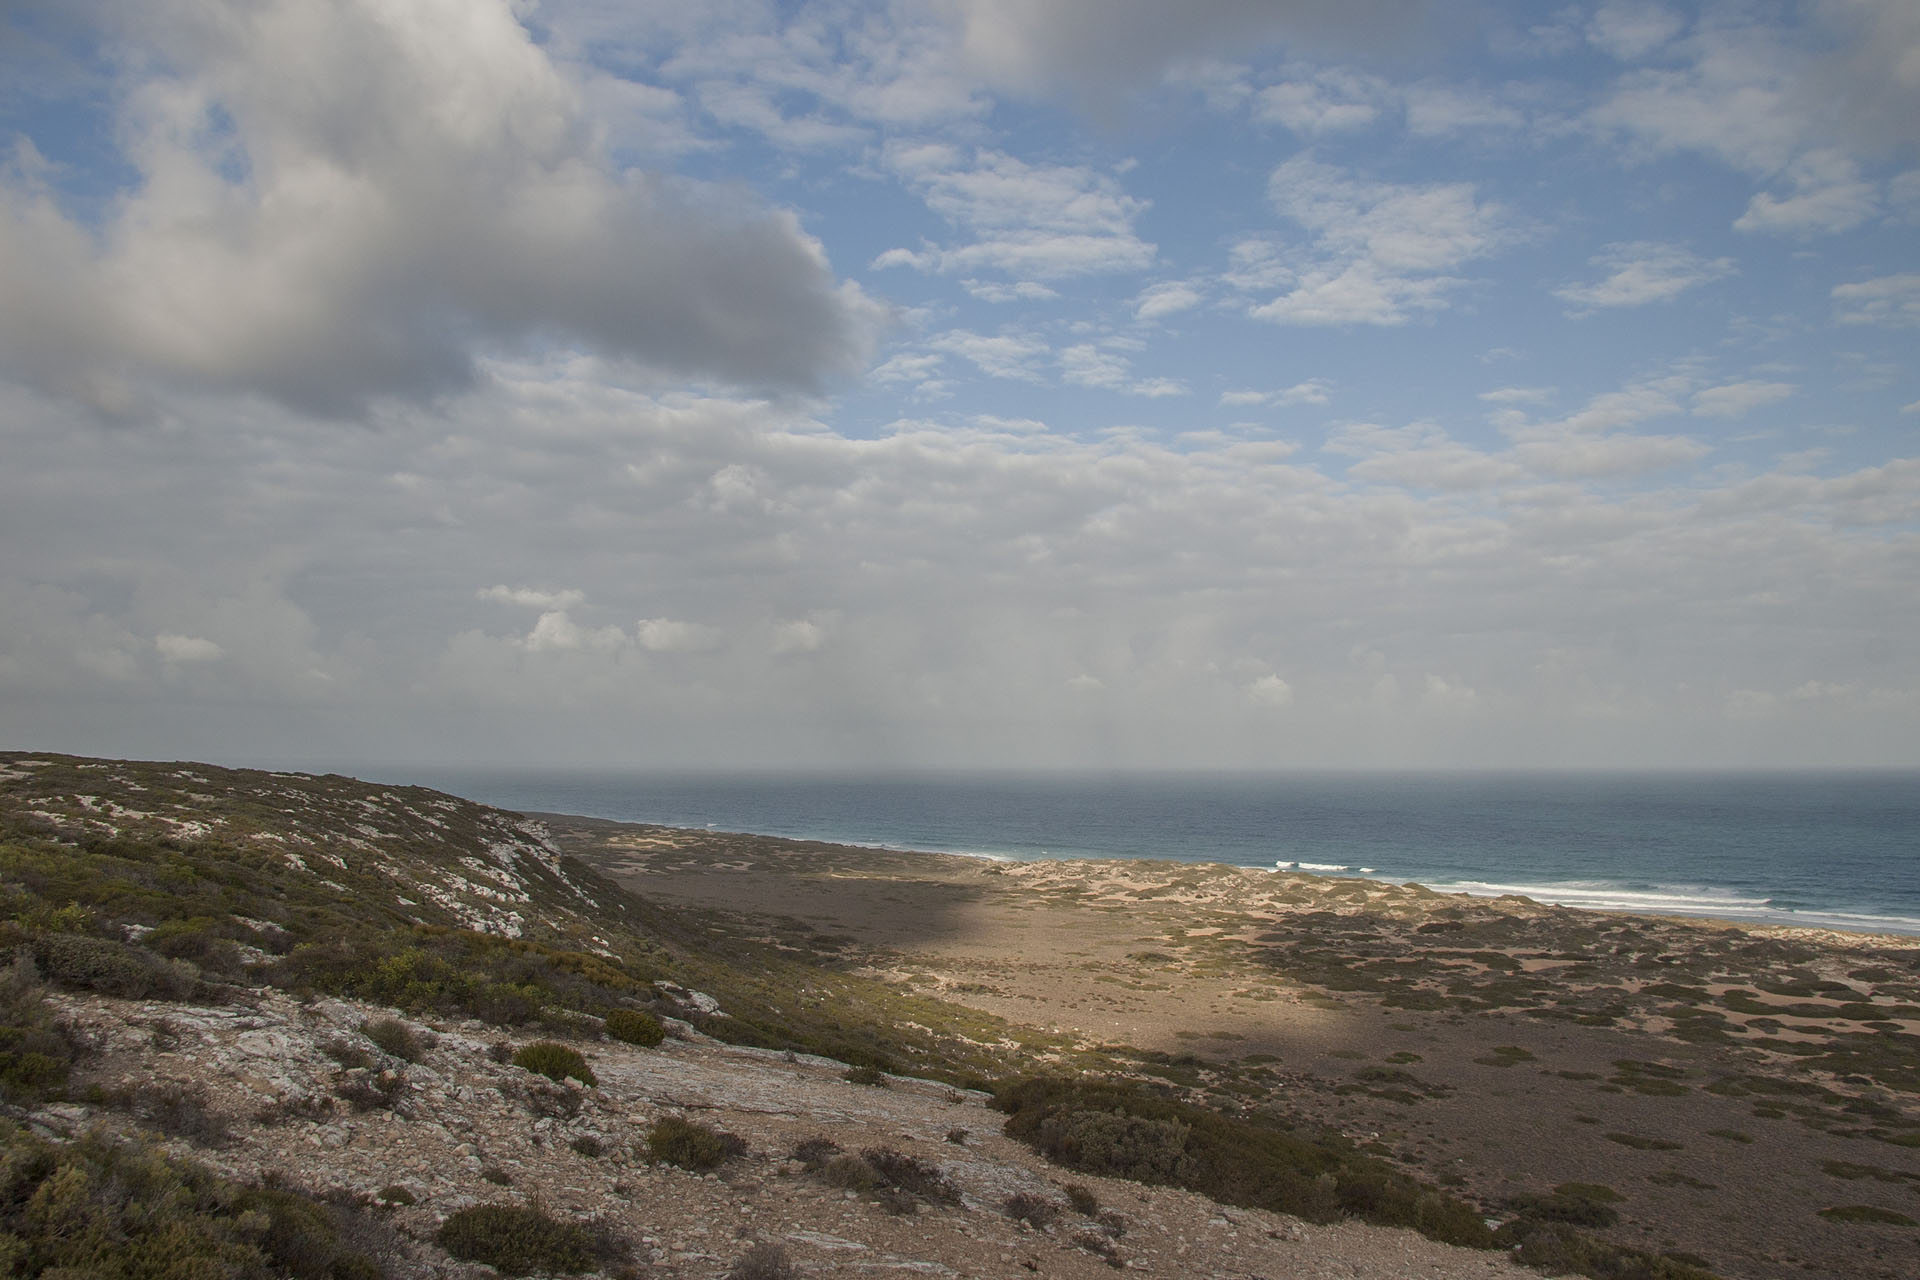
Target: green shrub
(865,1075)
(111,1210)
(1121,1131)
(1557,1248)
(1036,1211)
(764,1262)
(692,1146)
(519,1241)
(633,1026)
(1081,1197)
(1867,1213)
(555,1061)
(35,1053)
(109,967)
(1576,1203)
(392,1036)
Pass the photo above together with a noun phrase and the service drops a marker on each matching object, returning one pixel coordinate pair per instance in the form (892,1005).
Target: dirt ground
(1729,1084)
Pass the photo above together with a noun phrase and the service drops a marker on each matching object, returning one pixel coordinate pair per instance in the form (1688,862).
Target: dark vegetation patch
(634,1026)
(555,1061)
(118,1211)
(1120,1131)
(692,1145)
(1867,1213)
(520,1240)
(895,1180)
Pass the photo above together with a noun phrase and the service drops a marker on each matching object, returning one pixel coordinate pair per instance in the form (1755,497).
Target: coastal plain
(1746,1098)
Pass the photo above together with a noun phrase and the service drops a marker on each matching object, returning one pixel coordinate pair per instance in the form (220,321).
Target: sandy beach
(1729,1084)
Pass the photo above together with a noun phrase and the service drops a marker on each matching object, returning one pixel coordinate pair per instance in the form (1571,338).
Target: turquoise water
(1838,850)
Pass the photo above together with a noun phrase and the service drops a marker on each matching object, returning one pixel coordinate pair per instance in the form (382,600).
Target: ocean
(1835,850)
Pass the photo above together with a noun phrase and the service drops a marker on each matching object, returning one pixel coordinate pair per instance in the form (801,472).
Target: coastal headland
(1740,1092)
(301,1024)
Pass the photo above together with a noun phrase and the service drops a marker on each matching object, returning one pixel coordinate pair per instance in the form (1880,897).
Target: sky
(1105,384)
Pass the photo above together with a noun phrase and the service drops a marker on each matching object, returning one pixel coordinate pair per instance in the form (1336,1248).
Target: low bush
(394,1037)
(1036,1211)
(111,1210)
(1579,1204)
(35,1052)
(519,1241)
(865,1075)
(633,1026)
(555,1061)
(698,1147)
(764,1262)
(1084,1202)
(912,1176)
(111,968)
(1867,1213)
(1121,1131)
(178,1110)
(1558,1248)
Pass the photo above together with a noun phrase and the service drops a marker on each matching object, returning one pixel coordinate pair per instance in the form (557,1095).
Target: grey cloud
(338,208)
(1103,50)
(933,594)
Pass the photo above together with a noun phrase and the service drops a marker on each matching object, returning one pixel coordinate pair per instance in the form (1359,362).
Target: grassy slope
(181,880)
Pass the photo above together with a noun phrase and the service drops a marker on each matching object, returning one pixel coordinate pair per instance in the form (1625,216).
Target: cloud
(1828,196)
(800,635)
(669,635)
(555,631)
(1034,221)
(1380,251)
(1005,356)
(1167,298)
(1632,31)
(1312,391)
(1270,691)
(1735,399)
(1893,301)
(1020,291)
(327,207)
(1086,365)
(1104,50)
(1327,101)
(1518,395)
(179,648)
(1641,272)
(1437,111)
(533,598)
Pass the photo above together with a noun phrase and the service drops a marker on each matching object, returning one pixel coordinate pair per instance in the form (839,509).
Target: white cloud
(1888,300)
(670,635)
(800,635)
(1518,395)
(333,206)
(1019,291)
(1165,299)
(1270,691)
(1641,272)
(1632,31)
(1380,250)
(532,597)
(179,648)
(555,631)
(1828,196)
(1736,399)
(1031,221)
(1328,101)
(1435,111)
(1086,365)
(1312,391)
(1005,356)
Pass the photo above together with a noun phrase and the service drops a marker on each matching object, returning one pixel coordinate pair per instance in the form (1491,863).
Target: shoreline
(1781,922)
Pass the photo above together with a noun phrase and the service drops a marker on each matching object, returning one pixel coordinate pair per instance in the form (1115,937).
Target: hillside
(348,1015)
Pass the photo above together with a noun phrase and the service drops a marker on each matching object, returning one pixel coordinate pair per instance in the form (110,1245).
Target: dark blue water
(1838,850)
